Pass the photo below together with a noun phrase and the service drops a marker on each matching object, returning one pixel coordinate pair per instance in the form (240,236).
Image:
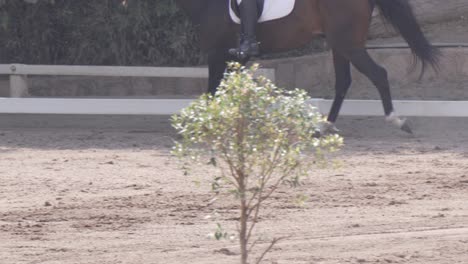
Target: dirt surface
(117,196)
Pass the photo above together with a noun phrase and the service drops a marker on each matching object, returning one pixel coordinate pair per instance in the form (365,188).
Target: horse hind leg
(342,83)
(361,59)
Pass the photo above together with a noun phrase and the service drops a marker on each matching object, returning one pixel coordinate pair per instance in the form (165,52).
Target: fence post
(18,85)
(267,73)
(271,75)
(18,82)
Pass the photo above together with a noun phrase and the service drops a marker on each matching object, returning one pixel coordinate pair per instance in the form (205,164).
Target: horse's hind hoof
(406,127)
(401,123)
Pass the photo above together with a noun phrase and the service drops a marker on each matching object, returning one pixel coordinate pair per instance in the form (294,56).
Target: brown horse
(344,23)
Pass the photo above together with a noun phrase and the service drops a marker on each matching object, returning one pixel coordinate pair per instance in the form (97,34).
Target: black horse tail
(400,14)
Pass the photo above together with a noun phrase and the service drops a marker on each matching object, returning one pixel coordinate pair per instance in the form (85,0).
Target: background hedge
(104,32)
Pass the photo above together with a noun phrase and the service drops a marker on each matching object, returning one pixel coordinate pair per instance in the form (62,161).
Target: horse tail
(400,14)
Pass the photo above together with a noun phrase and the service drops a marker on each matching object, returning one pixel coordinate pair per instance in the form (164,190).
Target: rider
(248,42)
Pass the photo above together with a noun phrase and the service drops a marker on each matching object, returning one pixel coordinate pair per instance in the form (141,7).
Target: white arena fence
(19,104)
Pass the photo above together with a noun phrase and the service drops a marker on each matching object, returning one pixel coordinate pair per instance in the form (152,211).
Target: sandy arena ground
(107,196)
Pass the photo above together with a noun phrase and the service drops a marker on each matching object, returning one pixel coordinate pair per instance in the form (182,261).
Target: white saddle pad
(273,9)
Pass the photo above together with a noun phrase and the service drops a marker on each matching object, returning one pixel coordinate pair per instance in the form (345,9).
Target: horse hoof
(328,128)
(317,134)
(401,123)
(405,127)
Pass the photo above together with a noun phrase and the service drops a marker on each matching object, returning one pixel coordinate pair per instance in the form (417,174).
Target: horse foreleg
(216,68)
(342,84)
(361,59)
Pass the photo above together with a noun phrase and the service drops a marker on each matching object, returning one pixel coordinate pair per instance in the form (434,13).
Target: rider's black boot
(248,45)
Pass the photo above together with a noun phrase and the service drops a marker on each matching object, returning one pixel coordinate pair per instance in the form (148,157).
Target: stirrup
(246,50)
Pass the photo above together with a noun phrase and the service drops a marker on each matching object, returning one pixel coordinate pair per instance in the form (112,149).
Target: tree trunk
(243,232)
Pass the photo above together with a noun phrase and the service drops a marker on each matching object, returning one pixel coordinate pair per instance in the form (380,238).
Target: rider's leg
(248,45)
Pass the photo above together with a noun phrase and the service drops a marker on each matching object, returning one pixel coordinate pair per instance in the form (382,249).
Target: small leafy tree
(260,137)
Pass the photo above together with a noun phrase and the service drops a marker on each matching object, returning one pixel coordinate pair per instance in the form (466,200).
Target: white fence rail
(402,107)
(19,73)
(171,106)
(19,88)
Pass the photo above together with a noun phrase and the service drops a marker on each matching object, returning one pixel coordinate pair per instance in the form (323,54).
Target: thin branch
(249,203)
(232,169)
(272,244)
(255,218)
(261,199)
(253,244)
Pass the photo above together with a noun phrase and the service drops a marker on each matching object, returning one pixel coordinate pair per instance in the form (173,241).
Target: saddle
(267,9)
